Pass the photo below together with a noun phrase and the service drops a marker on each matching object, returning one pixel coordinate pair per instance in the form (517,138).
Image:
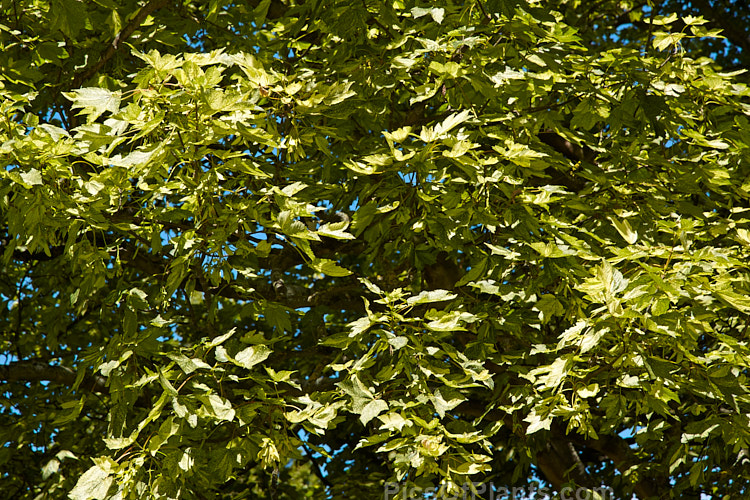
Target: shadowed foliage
(335,249)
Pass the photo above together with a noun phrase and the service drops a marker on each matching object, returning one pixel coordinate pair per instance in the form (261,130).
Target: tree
(323,249)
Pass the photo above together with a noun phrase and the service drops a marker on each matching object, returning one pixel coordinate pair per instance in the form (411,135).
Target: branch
(37,371)
(559,461)
(734,31)
(340,294)
(569,150)
(276,9)
(616,449)
(123,35)
(560,464)
(316,466)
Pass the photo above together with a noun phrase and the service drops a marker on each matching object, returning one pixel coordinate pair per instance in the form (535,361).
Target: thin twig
(123,35)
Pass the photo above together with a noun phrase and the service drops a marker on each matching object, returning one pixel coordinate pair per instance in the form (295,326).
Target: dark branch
(733,30)
(37,371)
(123,35)
(559,461)
(569,150)
(316,466)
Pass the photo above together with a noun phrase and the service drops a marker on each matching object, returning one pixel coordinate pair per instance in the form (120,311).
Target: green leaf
(664,40)
(551,376)
(437,13)
(328,267)
(251,356)
(472,467)
(50,468)
(393,421)
(445,400)
(430,296)
(549,307)
(219,407)
(119,443)
(627,232)
(68,16)
(443,321)
(537,423)
(166,384)
(359,326)
(372,410)
(739,302)
(451,122)
(70,411)
(693,20)
(93,484)
(398,342)
(94,101)
(339,234)
(660,306)
(31,178)
(221,339)
(188,365)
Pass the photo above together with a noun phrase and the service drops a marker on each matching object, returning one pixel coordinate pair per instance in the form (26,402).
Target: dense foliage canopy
(326,249)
